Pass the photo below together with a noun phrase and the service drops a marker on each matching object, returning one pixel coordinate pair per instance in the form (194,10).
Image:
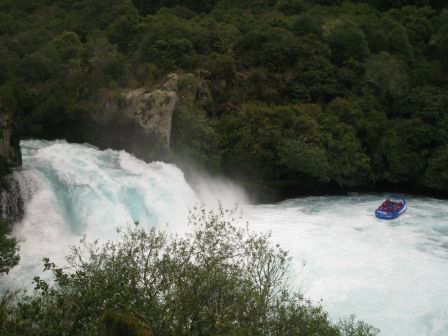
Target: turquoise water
(392,274)
(74,190)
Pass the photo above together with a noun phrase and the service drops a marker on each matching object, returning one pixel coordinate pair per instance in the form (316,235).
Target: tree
(68,46)
(60,57)
(36,67)
(387,74)
(399,43)
(273,47)
(375,33)
(105,63)
(429,103)
(417,22)
(439,39)
(304,158)
(150,7)
(436,175)
(350,166)
(319,78)
(123,32)
(401,147)
(305,24)
(171,53)
(346,41)
(290,7)
(328,2)
(8,249)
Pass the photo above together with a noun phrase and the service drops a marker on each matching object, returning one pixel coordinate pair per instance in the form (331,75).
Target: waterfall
(73,190)
(392,274)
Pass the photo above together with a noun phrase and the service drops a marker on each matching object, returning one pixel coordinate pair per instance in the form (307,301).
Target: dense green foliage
(8,249)
(219,279)
(306,94)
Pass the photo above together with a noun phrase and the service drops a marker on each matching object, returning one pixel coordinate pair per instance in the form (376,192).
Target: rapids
(393,275)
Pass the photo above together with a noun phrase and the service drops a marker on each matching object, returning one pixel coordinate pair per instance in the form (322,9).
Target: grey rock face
(140,120)
(11,203)
(153,110)
(9,149)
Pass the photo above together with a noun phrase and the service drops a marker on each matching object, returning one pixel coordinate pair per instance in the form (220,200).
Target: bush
(220,279)
(8,249)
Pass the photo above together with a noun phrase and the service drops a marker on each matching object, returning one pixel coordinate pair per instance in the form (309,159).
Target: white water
(393,275)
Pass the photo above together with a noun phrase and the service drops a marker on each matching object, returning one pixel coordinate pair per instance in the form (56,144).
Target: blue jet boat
(391,208)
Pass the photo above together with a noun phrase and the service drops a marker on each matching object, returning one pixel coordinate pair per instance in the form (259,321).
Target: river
(393,275)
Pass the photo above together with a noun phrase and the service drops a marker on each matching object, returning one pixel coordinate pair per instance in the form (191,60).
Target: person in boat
(389,205)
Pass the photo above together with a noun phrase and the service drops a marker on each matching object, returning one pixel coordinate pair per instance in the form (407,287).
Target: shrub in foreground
(219,279)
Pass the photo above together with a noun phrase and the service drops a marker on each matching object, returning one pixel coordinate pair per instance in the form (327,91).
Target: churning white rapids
(393,275)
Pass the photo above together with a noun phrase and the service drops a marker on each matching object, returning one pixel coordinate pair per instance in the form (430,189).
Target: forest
(308,96)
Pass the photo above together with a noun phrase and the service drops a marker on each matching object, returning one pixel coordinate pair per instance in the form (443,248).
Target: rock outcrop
(153,110)
(11,204)
(140,120)
(9,144)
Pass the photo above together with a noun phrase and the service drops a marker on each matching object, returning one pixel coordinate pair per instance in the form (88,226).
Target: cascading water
(391,274)
(72,190)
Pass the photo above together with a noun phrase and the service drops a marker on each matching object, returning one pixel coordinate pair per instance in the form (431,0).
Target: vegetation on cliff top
(306,94)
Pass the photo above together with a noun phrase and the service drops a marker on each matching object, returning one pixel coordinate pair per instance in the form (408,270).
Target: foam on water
(393,274)
(73,190)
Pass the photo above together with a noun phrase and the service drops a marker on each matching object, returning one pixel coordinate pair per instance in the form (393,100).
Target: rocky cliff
(11,205)
(140,120)
(9,142)
(153,110)
(11,202)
